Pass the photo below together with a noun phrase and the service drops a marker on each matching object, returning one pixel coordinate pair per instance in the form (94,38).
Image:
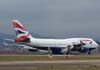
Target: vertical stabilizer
(22,35)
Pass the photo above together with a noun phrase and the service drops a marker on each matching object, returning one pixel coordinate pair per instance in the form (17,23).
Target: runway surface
(49,63)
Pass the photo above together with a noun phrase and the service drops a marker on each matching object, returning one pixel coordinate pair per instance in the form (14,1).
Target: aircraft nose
(97,44)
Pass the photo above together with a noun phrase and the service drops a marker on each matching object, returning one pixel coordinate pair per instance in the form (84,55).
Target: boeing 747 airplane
(57,46)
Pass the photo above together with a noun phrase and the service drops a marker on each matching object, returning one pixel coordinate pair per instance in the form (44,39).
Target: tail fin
(22,35)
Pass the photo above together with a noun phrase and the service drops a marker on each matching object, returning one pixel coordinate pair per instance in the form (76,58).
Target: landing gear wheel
(89,52)
(69,51)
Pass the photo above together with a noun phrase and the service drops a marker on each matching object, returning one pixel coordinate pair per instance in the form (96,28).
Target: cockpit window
(90,42)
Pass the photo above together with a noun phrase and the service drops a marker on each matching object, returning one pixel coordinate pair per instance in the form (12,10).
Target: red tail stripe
(16,25)
(21,38)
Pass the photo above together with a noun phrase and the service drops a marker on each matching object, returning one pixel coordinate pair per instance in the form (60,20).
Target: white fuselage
(62,43)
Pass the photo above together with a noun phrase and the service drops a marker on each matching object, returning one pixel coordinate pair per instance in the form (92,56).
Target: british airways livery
(57,46)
